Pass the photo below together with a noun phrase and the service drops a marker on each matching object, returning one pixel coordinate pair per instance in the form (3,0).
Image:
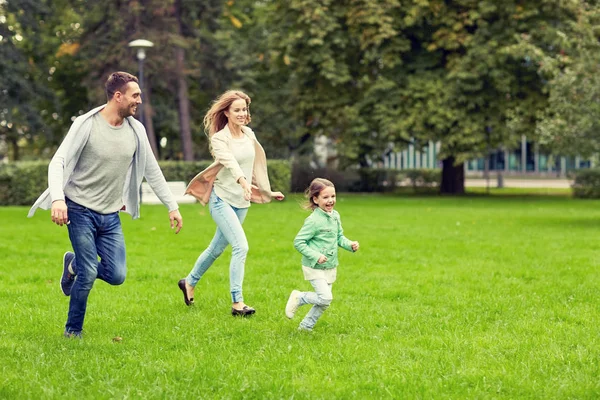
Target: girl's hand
(277,195)
(355,246)
(322,259)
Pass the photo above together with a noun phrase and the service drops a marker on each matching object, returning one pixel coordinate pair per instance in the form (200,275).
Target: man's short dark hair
(117,82)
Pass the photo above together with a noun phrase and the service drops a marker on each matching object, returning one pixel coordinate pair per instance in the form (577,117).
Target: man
(96,172)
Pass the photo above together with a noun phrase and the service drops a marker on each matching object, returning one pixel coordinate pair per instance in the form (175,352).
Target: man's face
(129,101)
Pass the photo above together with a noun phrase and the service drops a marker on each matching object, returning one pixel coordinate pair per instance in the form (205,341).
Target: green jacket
(321,233)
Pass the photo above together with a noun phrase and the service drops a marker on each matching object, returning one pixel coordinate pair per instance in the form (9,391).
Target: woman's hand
(246,188)
(355,246)
(277,195)
(322,259)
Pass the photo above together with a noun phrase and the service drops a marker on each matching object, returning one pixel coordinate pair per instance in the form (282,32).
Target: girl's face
(238,112)
(326,199)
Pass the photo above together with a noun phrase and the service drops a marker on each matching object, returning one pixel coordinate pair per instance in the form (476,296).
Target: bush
(182,170)
(376,180)
(422,178)
(350,180)
(280,175)
(21,183)
(587,184)
(303,174)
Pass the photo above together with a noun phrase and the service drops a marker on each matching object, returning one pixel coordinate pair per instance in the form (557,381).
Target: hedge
(587,183)
(365,179)
(21,183)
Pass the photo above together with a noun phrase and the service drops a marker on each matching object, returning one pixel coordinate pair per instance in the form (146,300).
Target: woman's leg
(215,248)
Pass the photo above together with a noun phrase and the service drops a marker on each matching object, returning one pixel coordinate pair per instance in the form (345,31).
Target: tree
(370,73)
(26,108)
(571,122)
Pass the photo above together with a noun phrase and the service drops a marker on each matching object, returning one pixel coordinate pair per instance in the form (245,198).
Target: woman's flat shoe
(244,312)
(188,302)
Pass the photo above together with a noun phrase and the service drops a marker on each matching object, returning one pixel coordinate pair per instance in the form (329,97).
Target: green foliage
(473,75)
(376,180)
(571,122)
(422,178)
(22,183)
(182,170)
(587,184)
(280,175)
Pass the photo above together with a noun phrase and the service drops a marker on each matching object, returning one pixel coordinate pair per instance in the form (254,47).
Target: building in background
(527,159)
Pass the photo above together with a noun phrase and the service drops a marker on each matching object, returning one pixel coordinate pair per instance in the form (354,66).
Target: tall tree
(571,122)
(182,88)
(24,74)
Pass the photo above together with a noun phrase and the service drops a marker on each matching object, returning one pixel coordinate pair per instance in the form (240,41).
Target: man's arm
(159,185)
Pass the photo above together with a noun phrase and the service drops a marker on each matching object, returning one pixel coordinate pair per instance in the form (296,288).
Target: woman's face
(237,112)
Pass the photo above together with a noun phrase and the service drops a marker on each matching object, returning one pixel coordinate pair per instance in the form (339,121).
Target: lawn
(475,297)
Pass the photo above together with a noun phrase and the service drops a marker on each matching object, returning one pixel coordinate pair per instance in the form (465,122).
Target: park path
(520,183)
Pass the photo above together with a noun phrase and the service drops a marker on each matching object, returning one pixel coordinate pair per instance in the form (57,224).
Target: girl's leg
(320,299)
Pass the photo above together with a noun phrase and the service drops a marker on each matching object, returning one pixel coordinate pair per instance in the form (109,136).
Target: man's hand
(322,259)
(176,220)
(59,213)
(277,195)
(355,246)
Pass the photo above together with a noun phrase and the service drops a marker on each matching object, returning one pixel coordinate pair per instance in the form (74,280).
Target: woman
(237,177)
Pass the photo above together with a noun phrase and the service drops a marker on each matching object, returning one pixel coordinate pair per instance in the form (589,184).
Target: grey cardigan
(144,164)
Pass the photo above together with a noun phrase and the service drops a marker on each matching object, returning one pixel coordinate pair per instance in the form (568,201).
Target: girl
(237,177)
(318,241)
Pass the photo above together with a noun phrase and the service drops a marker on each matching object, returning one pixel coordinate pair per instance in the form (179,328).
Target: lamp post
(141,45)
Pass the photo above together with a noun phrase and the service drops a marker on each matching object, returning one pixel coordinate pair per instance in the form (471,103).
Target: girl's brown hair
(313,190)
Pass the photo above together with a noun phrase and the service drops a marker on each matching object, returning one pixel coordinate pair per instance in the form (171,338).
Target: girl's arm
(342,240)
(306,233)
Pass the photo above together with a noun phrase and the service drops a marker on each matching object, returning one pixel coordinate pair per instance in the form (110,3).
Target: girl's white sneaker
(292,304)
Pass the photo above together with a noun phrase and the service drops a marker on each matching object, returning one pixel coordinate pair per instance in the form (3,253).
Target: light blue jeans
(229,222)
(320,299)
(93,235)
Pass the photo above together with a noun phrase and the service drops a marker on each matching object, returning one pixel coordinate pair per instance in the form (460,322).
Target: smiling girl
(318,242)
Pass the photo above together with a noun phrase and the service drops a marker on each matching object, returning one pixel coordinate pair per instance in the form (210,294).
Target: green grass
(475,297)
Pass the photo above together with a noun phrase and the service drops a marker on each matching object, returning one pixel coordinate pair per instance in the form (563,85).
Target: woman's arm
(223,155)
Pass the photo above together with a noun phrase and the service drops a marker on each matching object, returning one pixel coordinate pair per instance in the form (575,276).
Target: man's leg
(110,243)
(82,232)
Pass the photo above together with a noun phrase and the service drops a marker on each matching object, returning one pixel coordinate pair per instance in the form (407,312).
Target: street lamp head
(141,45)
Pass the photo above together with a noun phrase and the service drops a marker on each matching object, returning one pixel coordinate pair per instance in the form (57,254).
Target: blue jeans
(320,299)
(229,222)
(93,235)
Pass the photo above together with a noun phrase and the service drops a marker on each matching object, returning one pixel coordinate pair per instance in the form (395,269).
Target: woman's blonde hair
(215,118)
(313,190)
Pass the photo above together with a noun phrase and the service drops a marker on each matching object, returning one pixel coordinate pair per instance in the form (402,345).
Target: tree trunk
(453,177)
(15,149)
(148,113)
(182,95)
